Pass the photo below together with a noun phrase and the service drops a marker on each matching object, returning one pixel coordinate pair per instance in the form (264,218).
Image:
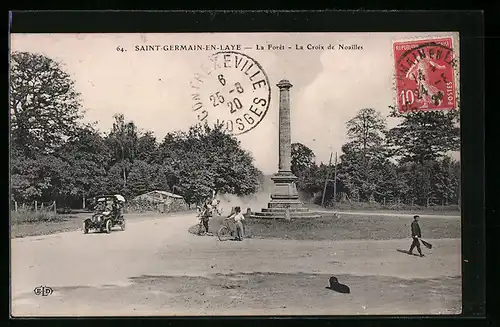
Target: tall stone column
(285,142)
(285,203)
(285,193)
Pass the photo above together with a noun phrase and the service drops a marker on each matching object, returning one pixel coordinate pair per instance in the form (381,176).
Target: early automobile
(108,213)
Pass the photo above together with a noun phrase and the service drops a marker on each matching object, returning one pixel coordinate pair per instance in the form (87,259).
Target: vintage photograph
(210,174)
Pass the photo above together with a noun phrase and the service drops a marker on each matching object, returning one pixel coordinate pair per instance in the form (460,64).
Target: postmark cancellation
(426,74)
(231,89)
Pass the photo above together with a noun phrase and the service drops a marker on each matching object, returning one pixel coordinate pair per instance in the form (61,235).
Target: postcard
(210,174)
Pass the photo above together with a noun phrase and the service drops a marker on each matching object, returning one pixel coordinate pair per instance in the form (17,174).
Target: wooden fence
(34,206)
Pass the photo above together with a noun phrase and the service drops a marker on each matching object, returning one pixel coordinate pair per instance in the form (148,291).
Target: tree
(114,182)
(418,177)
(44,105)
(363,161)
(232,167)
(147,148)
(141,178)
(433,182)
(366,131)
(424,135)
(169,156)
(42,177)
(447,183)
(122,140)
(420,142)
(302,159)
(88,158)
(312,181)
(206,159)
(350,170)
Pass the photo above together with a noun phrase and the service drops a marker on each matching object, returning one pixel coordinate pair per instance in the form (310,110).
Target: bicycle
(201,228)
(226,232)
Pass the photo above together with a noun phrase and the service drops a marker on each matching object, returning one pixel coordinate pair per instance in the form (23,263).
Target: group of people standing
(211,207)
(207,211)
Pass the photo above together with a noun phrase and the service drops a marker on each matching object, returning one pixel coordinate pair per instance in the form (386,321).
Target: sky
(154,88)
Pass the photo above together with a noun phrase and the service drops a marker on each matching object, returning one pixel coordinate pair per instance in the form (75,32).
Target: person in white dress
(238,219)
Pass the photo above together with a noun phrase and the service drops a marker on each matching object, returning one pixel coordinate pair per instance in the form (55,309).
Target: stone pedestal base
(285,193)
(284,203)
(284,198)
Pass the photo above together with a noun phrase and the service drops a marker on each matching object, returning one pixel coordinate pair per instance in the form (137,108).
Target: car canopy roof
(115,197)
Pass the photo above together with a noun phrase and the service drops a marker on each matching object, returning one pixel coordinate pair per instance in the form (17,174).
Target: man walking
(416,235)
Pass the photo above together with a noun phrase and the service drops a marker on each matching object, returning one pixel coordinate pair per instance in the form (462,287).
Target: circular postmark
(231,89)
(425,75)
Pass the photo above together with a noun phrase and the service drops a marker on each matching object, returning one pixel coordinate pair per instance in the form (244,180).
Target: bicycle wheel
(224,234)
(201,229)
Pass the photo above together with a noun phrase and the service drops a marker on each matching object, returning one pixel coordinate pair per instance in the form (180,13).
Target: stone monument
(285,201)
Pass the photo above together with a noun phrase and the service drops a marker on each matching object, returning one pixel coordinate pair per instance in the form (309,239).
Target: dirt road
(91,273)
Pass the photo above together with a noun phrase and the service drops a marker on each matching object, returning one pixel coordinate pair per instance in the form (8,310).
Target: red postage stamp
(425,75)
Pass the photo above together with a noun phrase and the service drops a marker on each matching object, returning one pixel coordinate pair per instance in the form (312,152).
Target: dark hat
(416,216)
(336,286)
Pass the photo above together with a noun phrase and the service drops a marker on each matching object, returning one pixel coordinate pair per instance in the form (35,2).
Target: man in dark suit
(416,235)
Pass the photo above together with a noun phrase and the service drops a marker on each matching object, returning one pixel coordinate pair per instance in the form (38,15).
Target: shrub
(30,217)
(396,207)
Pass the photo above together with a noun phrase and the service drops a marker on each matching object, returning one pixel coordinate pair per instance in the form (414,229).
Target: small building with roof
(159,201)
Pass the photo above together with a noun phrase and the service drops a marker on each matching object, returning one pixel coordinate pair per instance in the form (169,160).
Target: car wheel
(108,226)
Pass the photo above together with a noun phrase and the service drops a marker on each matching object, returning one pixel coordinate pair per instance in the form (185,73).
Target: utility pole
(326,180)
(335,182)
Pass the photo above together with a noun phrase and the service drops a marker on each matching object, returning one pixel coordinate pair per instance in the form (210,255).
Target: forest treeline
(410,163)
(54,156)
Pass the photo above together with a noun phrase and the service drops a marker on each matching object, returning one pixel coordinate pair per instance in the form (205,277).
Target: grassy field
(33,217)
(450,210)
(29,223)
(345,227)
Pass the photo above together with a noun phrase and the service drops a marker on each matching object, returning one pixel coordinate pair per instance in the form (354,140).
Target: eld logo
(43,291)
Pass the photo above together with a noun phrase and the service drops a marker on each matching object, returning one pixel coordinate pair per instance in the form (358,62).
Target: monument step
(292,217)
(291,204)
(284,209)
(296,214)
